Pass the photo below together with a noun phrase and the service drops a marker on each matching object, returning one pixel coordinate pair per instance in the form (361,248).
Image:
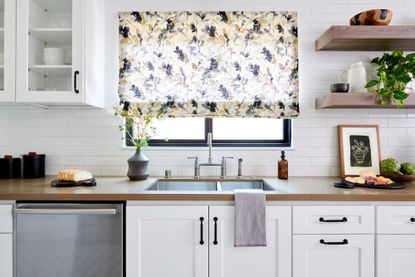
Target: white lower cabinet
(229,261)
(180,241)
(6,255)
(333,255)
(395,255)
(166,241)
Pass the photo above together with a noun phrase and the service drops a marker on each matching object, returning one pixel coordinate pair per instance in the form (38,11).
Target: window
(232,132)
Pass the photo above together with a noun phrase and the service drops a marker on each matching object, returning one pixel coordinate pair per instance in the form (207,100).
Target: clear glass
(248,129)
(50,45)
(180,128)
(2,7)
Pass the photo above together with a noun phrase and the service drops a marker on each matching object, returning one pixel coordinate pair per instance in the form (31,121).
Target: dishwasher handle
(66,211)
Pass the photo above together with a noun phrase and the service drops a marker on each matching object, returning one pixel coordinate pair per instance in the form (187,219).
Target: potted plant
(138,129)
(395,71)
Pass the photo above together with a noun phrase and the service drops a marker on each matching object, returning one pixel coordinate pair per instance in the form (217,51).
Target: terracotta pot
(138,166)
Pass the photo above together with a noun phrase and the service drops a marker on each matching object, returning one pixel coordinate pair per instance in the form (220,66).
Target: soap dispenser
(283,167)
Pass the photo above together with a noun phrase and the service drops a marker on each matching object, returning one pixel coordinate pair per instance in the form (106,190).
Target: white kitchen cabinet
(173,241)
(225,260)
(6,255)
(72,25)
(167,241)
(7,49)
(333,255)
(395,255)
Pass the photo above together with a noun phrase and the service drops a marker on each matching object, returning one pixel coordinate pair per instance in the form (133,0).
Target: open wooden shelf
(367,38)
(358,101)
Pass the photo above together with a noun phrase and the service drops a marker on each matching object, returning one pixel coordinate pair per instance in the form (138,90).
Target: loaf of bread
(74,175)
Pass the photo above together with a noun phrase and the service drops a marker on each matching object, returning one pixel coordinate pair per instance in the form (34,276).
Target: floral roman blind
(209,64)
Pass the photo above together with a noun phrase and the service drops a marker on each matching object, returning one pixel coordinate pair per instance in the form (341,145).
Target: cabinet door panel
(8,48)
(165,241)
(395,255)
(311,258)
(271,261)
(6,255)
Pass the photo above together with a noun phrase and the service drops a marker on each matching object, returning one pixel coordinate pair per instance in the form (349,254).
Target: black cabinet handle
(344,219)
(215,234)
(412,219)
(344,242)
(75,85)
(201,231)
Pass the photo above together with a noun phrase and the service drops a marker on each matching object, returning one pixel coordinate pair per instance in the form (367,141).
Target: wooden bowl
(372,17)
(399,178)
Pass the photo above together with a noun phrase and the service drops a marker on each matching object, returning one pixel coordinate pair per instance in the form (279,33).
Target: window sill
(216,149)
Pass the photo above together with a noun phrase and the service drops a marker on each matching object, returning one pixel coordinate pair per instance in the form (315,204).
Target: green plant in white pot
(395,71)
(138,129)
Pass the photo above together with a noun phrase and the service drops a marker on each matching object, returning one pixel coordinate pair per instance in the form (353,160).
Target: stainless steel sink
(245,184)
(176,185)
(209,185)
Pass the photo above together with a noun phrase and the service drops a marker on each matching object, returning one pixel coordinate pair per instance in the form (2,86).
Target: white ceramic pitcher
(356,77)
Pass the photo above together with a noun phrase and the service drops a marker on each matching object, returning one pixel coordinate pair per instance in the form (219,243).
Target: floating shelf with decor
(367,38)
(358,100)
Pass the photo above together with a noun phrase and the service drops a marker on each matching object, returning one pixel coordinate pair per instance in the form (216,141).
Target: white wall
(90,138)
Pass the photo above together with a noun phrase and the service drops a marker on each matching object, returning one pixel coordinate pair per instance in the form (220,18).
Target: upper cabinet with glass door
(7,50)
(51,40)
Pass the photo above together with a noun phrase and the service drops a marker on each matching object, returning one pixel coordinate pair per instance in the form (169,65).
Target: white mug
(356,77)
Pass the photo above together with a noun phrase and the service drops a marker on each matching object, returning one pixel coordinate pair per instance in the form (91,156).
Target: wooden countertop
(120,188)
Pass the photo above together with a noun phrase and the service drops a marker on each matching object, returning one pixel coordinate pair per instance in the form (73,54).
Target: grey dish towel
(250,229)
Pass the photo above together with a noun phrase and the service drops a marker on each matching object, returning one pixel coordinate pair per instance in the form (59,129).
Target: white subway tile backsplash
(90,139)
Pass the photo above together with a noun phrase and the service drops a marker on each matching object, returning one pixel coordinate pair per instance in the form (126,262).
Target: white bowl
(54,60)
(53,51)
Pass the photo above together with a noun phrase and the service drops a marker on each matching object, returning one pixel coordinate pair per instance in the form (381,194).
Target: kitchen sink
(208,185)
(245,184)
(192,185)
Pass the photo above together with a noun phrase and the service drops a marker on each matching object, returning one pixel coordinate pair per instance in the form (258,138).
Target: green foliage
(395,71)
(138,127)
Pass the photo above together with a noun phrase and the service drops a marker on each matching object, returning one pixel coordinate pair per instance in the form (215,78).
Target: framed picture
(359,149)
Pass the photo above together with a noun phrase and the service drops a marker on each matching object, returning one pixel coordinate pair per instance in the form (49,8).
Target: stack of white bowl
(53,56)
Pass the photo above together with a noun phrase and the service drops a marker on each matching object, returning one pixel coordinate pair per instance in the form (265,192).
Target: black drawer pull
(344,242)
(344,219)
(201,231)
(75,85)
(215,235)
(412,219)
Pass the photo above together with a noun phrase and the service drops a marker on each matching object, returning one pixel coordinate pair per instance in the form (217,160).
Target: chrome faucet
(198,165)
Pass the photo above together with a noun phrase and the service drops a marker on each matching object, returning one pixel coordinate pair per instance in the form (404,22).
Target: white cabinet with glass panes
(7,50)
(58,61)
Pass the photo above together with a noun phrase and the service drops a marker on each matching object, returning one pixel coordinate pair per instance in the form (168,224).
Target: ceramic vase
(138,166)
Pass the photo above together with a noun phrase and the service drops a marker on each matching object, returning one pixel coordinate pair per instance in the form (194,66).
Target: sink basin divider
(218,186)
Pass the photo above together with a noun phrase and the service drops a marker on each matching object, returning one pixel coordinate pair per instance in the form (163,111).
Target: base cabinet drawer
(395,255)
(6,255)
(6,218)
(333,219)
(396,220)
(333,255)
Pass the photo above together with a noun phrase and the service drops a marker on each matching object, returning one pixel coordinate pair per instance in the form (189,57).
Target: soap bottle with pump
(283,167)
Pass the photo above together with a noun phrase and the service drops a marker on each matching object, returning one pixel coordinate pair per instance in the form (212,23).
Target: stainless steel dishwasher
(69,240)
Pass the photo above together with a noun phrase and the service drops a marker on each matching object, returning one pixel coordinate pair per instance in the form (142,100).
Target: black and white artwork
(359,149)
(360,154)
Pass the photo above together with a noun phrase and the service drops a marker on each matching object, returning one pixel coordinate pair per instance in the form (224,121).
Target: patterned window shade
(210,64)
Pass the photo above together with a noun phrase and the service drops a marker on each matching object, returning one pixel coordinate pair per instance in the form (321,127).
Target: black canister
(6,167)
(33,165)
(10,167)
